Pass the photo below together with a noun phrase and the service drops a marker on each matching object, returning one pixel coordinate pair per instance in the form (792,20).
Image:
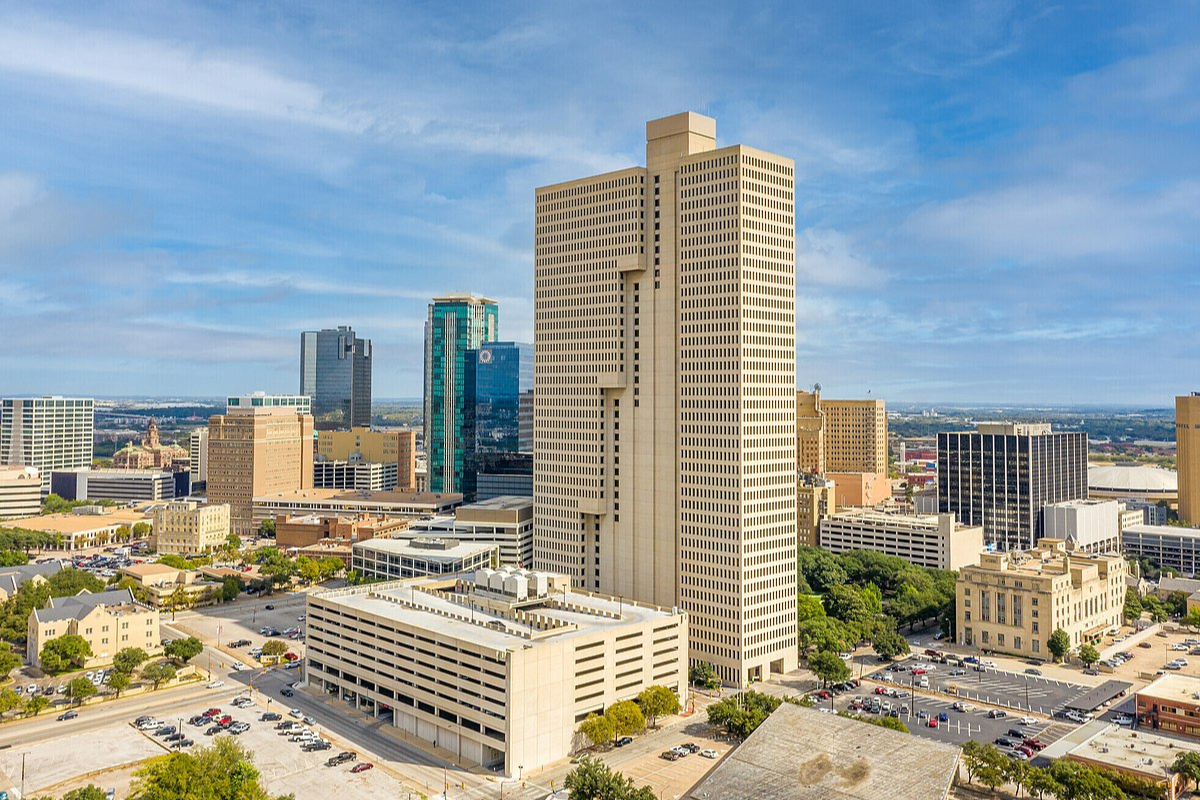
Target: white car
(216,684)
(1177,646)
(709,753)
(1122,719)
(296,713)
(238,666)
(1027,721)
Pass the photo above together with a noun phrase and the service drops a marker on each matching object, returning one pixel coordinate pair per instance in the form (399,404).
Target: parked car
(1027,721)
(669,755)
(295,713)
(1004,741)
(269,607)
(361,767)
(215,684)
(1032,671)
(624,740)
(997,713)
(1091,671)
(269,717)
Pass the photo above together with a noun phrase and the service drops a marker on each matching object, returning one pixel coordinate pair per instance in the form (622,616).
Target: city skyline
(993,204)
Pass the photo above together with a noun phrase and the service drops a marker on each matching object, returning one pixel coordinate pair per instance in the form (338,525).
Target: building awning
(1094,698)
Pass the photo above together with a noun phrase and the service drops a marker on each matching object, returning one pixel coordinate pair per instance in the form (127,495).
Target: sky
(996,201)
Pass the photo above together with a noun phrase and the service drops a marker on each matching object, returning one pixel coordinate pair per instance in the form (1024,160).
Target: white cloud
(34,217)
(826,256)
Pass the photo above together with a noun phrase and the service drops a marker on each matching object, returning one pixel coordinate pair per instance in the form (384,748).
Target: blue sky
(996,201)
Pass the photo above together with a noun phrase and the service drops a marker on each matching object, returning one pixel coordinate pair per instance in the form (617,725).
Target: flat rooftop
(507,502)
(431,499)
(1150,754)
(803,754)
(1173,687)
(1163,530)
(81,523)
(427,548)
(417,603)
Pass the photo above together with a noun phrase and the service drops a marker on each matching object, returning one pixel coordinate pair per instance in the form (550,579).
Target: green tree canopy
(1188,766)
(889,645)
(1079,782)
(141,530)
(1133,605)
(597,729)
(809,607)
(89,792)
(657,701)
(128,659)
(8,660)
(828,667)
(267,528)
(35,705)
(9,700)
(595,780)
(81,689)
(13,558)
(176,561)
(1058,644)
(223,771)
(825,634)
(158,672)
(1089,655)
(65,652)
(274,647)
(704,675)
(119,682)
(184,649)
(742,713)
(231,587)
(626,717)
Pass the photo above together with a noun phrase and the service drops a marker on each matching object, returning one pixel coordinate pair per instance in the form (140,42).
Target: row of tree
(24,540)
(626,717)
(1063,780)
(280,568)
(742,713)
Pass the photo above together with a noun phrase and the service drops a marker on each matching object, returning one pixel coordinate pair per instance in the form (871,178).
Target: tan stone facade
(373,446)
(20,492)
(810,434)
(855,436)
(256,451)
(150,454)
(665,412)
(1012,601)
(861,489)
(1187,457)
(815,500)
(309,529)
(108,621)
(188,528)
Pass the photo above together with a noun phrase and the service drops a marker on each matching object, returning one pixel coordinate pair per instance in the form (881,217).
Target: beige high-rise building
(1187,456)
(815,500)
(665,407)
(855,436)
(810,434)
(256,450)
(378,447)
(187,528)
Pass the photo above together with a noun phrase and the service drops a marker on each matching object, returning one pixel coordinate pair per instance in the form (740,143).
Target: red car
(1026,749)
(879,690)
(225,720)
(361,767)
(212,712)
(920,671)
(290,657)
(1034,744)
(933,722)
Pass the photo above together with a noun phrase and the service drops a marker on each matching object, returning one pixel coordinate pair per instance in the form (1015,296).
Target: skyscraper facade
(335,371)
(855,435)
(665,410)
(501,425)
(457,323)
(1187,457)
(47,433)
(1001,476)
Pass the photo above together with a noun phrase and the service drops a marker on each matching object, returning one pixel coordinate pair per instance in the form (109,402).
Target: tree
(657,701)
(626,718)
(986,764)
(8,661)
(128,659)
(331,567)
(1058,644)
(176,561)
(1192,619)
(1089,655)
(81,689)
(1133,605)
(233,542)
(267,528)
(123,533)
(308,570)
(889,645)
(9,700)
(597,729)
(820,569)
(809,606)
(1188,766)
(1176,603)
(35,704)
(595,780)
(158,672)
(231,587)
(222,771)
(274,647)
(184,649)
(742,713)
(828,667)
(63,652)
(89,792)
(13,558)
(824,634)
(704,675)
(1039,782)
(119,682)
(1014,772)
(1078,782)
(141,530)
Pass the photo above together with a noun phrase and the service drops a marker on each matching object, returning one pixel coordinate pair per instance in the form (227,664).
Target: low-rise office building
(497,668)
(505,521)
(392,559)
(122,485)
(363,476)
(1152,513)
(12,579)
(933,540)
(108,621)
(815,500)
(86,526)
(1087,526)
(189,528)
(1012,601)
(1171,704)
(1170,546)
(1138,753)
(311,529)
(20,492)
(161,585)
(334,502)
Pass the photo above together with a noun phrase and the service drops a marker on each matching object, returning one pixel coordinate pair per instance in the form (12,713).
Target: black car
(213,731)
(1017,732)
(67,715)
(624,740)
(175,737)
(240,643)
(186,743)
(1004,741)
(270,716)
(269,607)
(286,692)
(165,730)
(691,747)
(198,720)
(314,746)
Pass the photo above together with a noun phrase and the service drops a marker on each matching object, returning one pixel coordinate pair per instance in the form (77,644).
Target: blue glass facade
(502,424)
(335,371)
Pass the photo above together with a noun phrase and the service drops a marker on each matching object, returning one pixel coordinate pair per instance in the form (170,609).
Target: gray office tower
(335,372)
(1001,476)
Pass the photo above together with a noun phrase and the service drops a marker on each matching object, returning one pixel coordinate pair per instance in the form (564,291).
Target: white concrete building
(1088,526)
(495,669)
(1170,546)
(198,455)
(928,540)
(20,492)
(505,521)
(391,559)
(47,433)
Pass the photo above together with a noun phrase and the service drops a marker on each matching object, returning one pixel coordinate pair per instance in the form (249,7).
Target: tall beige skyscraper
(665,399)
(810,434)
(1187,456)
(255,449)
(855,435)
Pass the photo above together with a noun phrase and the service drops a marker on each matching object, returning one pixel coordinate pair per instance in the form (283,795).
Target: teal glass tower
(457,323)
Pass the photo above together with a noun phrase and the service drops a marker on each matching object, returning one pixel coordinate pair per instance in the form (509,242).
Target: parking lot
(243,621)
